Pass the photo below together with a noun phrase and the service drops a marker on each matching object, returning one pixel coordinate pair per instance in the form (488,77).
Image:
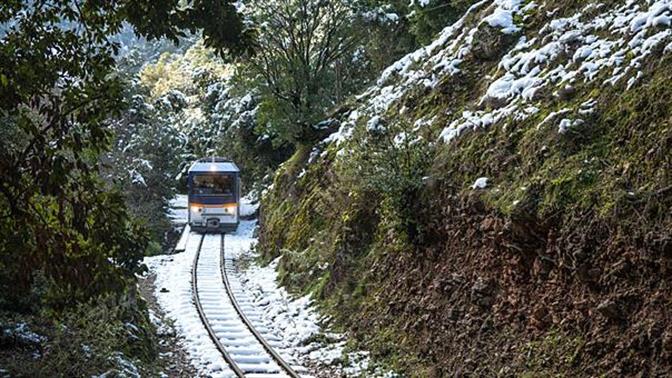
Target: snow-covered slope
(600,44)
(497,203)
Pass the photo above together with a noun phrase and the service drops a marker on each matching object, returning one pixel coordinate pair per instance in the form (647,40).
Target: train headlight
(230,209)
(196,209)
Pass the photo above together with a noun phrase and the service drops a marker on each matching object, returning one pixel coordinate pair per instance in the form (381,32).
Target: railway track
(226,313)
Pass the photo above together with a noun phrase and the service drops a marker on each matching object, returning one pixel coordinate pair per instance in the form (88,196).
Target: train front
(214,193)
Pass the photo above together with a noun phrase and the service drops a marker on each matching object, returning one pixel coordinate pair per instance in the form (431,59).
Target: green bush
(105,335)
(392,161)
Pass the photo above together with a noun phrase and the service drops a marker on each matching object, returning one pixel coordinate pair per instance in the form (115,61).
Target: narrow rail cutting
(243,348)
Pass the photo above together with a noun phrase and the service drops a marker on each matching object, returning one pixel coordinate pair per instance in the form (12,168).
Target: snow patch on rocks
(502,17)
(567,124)
(480,183)
(603,45)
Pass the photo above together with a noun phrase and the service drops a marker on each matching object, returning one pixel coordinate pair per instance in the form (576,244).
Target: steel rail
(276,357)
(194,293)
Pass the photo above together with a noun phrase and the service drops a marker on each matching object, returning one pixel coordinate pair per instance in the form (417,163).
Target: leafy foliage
(300,43)
(201,107)
(143,164)
(58,92)
(426,21)
(84,340)
(391,161)
(232,108)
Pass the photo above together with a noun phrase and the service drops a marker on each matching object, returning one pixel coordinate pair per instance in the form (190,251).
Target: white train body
(214,195)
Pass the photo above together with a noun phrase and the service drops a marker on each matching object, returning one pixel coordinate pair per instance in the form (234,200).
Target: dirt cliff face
(499,202)
(493,294)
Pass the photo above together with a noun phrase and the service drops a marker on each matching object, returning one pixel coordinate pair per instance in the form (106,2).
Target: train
(213,195)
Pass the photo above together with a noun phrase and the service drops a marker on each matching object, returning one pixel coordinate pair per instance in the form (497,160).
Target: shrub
(392,161)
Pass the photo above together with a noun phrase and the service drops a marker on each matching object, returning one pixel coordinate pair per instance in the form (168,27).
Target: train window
(213,184)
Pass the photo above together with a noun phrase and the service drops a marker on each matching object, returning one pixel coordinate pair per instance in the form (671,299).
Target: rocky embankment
(498,203)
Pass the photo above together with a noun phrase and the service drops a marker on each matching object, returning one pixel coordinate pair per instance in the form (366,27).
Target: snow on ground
(480,183)
(177,210)
(173,293)
(424,66)
(248,207)
(293,320)
(21,332)
(296,322)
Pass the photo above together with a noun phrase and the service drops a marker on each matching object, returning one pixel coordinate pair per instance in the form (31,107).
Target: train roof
(214,165)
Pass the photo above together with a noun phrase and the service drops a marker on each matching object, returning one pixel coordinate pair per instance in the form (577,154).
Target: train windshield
(213,185)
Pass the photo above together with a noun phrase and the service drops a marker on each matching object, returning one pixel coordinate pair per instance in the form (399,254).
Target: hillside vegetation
(498,202)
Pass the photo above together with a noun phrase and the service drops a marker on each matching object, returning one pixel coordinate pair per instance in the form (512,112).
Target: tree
(299,45)
(430,17)
(58,92)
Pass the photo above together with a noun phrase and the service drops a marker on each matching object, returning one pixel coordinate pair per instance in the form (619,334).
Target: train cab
(214,195)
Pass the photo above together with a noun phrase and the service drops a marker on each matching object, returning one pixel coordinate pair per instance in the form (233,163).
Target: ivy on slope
(535,237)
